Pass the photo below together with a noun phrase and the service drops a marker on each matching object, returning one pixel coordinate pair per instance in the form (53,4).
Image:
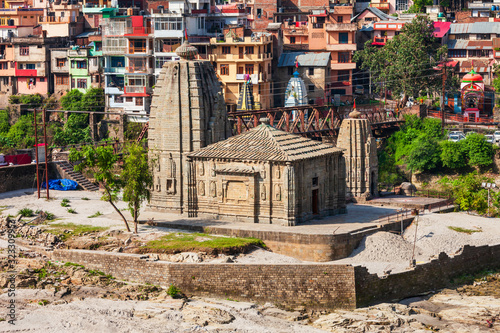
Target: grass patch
(95,272)
(72,211)
(198,242)
(85,198)
(25,212)
(69,263)
(43,302)
(463,230)
(48,215)
(64,204)
(96,214)
(41,272)
(59,229)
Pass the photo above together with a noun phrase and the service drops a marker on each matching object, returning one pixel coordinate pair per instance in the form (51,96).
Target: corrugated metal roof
(475,28)
(457,44)
(480,45)
(377,12)
(309,59)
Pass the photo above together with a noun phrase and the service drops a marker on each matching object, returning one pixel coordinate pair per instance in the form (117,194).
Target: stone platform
(420,203)
(330,238)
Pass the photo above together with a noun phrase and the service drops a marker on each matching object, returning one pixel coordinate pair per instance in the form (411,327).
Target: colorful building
(234,56)
(84,65)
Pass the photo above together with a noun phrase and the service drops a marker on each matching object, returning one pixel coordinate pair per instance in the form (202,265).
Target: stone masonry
(188,112)
(355,136)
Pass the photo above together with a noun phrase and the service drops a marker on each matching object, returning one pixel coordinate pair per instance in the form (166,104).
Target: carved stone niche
(201,188)
(263,192)
(201,168)
(171,185)
(213,189)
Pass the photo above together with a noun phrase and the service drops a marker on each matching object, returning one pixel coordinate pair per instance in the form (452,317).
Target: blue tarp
(62,184)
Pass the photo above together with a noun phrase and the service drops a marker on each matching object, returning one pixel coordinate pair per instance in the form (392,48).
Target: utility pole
(442,98)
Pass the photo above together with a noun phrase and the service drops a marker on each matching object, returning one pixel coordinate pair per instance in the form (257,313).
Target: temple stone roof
(265,143)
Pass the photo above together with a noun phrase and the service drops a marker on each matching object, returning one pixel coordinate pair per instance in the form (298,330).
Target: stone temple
(360,153)
(188,112)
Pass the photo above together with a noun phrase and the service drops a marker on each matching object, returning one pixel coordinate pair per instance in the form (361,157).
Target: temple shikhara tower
(355,136)
(188,112)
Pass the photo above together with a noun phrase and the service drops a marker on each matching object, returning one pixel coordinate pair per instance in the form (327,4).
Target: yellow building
(233,57)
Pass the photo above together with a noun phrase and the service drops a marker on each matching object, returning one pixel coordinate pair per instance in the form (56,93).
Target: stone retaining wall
(18,177)
(307,247)
(289,285)
(437,274)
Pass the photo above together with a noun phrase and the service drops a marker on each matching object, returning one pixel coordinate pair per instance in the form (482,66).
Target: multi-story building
(32,63)
(7,68)
(129,65)
(93,12)
(59,68)
(62,20)
(84,68)
(236,56)
(168,35)
(20,17)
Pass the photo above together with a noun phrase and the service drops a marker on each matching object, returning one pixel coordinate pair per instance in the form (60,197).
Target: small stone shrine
(360,152)
(266,176)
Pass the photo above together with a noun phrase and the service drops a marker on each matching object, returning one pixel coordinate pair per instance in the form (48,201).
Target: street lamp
(489,186)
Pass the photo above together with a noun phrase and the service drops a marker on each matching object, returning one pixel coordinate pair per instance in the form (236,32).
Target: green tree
(76,130)
(101,163)
(479,152)
(72,101)
(4,122)
(468,193)
(93,100)
(453,154)
(406,64)
(22,133)
(424,155)
(136,179)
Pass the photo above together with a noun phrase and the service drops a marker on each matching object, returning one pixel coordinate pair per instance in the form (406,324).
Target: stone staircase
(66,170)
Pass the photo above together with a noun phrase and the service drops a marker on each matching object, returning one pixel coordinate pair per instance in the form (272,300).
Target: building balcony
(139,51)
(240,57)
(139,70)
(258,40)
(318,25)
(113,90)
(379,40)
(61,70)
(199,11)
(341,27)
(137,90)
(53,19)
(383,6)
(343,65)
(302,31)
(138,31)
(114,70)
(114,50)
(341,47)
(78,52)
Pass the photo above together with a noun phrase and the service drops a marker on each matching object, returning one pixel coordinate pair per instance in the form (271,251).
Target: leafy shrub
(25,212)
(453,154)
(72,211)
(479,152)
(174,292)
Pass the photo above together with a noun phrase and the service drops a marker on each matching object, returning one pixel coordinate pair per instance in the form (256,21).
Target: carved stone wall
(188,112)
(361,160)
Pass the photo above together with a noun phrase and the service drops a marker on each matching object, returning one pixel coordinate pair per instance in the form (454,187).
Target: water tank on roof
(493,8)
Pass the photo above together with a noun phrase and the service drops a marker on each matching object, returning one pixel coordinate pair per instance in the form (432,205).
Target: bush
(25,212)
(424,155)
(22,133)
(174,292)
(479,152)
(453,154)
(72,211)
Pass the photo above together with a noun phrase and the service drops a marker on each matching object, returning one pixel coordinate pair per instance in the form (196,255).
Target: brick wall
(466,17)
(314,286)
(437,274)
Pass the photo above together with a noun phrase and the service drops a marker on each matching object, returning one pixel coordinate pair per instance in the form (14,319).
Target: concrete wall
(18,177)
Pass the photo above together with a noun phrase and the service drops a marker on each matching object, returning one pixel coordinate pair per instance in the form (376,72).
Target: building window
(59,80)
(61,62)
(310,71)
(24,50)
(168,23)
(240,70)
(401,5)
(118,99)
(259,12)
(82,64)
(139,101)
(129,99)
(340,19)
(311,88)
(344,57)
(290,70)
(343,76)
(81,83)
(249,50)
(224,69)
(483,36)
(343,37)
(292,40)
(457,53)
(30,66)
(226,50)
(65,80)
(249,69)
(462,36)
(42,79)
(315,181)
